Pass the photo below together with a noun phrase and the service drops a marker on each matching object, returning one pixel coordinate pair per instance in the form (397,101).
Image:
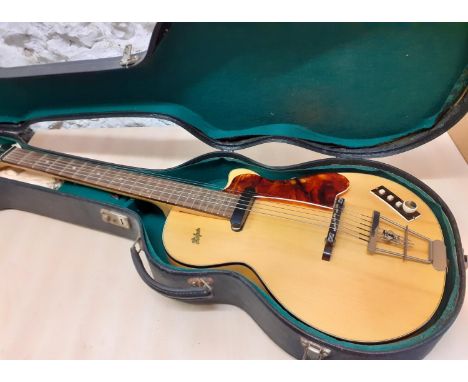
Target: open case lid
(346,89)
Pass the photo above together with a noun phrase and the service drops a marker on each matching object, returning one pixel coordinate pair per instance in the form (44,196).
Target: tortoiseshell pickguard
(319,189)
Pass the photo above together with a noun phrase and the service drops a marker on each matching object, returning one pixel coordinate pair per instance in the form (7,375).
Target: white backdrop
(39,43)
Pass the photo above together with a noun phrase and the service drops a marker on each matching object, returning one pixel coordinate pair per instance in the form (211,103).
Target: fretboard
(125,182)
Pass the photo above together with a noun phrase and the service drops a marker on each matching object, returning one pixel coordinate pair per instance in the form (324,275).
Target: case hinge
(314,351)
(129,58)
(201,282)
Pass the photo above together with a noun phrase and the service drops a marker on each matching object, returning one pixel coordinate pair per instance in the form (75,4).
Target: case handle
(193,293)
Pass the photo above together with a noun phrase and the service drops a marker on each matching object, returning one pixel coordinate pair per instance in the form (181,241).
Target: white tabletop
(70,292)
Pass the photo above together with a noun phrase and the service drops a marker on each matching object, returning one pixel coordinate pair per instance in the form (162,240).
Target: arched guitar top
(319,189)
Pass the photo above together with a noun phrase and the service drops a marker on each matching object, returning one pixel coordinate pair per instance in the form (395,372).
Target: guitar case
(348,90)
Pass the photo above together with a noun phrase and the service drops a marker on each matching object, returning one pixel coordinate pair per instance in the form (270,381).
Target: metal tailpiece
(436,254)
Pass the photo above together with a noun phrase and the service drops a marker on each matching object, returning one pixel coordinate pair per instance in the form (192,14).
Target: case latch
(314,351)
(114,218)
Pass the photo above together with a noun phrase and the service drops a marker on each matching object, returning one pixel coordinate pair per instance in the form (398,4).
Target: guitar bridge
(333,229)
(436,254)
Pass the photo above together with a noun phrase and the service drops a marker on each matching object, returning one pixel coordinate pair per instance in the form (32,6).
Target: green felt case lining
(350,84)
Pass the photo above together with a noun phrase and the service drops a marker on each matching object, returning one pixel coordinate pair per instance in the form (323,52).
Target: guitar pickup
(242,209)
(406,209)
(333,229)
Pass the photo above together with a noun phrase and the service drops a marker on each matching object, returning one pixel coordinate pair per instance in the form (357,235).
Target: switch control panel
(406,208)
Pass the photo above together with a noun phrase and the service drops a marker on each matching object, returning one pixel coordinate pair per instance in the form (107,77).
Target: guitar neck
(124,182)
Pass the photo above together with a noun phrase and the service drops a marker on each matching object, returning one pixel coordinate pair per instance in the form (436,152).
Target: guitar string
(242,202)
(359,218)
(349,232)
(62,170)
(83,163)
(346,231)
(211,186)
(107,168)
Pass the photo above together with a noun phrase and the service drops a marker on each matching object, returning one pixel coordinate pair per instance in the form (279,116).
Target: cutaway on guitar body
(357,295)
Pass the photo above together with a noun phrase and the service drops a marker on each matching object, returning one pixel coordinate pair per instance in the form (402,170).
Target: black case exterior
(218,286)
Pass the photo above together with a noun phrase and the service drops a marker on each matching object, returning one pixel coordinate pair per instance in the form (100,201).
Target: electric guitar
(354,255)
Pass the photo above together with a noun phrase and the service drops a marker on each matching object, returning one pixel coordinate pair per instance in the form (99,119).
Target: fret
(176,202)
(208,201)
(143,187)
(77,172)
(222,204)
(117,182)
(150,189)
(139,184)
(136,179)
(193,199)
(227,202)
(61,172)
(89,173)
(210,205)
(184,195)
(38,162)
(125,181)
(163,190)
(203,203)
(101,171)
(90,169)
(231,206)
(156,188)
(24,157)
(49,162)
(216,203)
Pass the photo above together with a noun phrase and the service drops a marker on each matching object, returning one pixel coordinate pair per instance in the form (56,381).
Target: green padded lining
(214,171)
(348,84)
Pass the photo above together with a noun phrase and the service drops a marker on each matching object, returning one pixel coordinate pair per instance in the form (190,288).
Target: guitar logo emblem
(196,236)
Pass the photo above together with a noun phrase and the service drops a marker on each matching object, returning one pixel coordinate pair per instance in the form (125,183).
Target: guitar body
(356,295)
